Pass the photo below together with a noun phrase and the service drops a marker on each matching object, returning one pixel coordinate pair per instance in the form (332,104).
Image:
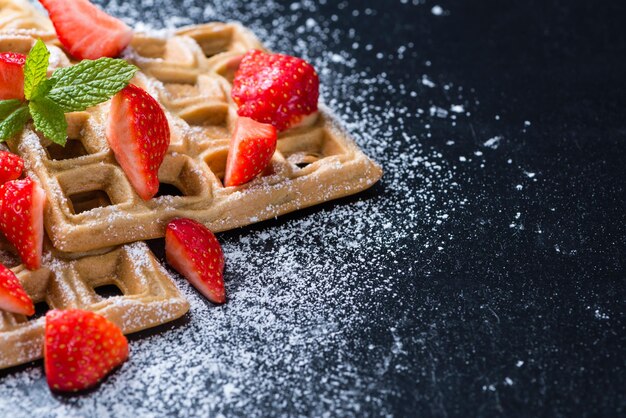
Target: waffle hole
(307,147)
(179,176)
(73,149)
(9,257)
(217,163)
(213,39)
(108,291)
(86,201)
(41,309)
(167,189)
(229,68)
(303,160)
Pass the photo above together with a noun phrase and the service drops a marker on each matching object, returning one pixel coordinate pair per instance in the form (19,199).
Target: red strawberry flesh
(251,150)
(85,31)
(276,89)
(80,349)
(195,253)
(12,76)
(11,166)
(13,297)
(21,219)
(139,135)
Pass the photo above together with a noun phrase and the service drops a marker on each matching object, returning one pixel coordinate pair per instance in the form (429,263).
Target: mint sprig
(89,82)
(70,89)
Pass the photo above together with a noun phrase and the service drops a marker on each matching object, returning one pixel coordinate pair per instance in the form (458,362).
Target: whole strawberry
(11,166)
(195,253)
(13,297)
(21,219)
(276,89)
(80,349)
(139,135)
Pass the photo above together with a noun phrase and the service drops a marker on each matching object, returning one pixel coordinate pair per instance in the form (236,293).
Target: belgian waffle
(92,205)
(92,209)
(149,298)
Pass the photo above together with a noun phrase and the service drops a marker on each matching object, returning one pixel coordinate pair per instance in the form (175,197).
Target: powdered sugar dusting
(303,292)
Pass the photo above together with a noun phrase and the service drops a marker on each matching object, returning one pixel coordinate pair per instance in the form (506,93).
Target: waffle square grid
(148,296)
(91,204)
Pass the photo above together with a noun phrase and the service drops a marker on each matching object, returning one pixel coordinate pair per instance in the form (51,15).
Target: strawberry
(80,349)
(195,253)
(12,76)
(21,219)
(13,297)
(11,166)
(251,150)
(85,31)
(139,136)
(276,89)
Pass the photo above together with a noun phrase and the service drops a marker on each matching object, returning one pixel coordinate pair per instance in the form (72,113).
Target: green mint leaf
(14,122)
(89,83)
(49,119)
(42,89)
(35,69)
(8,106)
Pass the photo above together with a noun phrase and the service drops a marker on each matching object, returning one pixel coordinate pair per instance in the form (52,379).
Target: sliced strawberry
(251,150)
(13,297)
(195,253)
(11,166)
(276,89)
(139,136)
(21,219)
(12,76)
(80,349)
(85,31)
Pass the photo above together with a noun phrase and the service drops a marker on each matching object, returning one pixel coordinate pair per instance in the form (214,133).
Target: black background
(561,65)
(554,298)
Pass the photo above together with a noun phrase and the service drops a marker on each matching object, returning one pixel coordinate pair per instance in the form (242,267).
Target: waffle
(91,204)
(148,296)
(92,212)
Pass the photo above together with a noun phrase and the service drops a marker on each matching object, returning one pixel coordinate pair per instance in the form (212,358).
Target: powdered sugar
(303,291)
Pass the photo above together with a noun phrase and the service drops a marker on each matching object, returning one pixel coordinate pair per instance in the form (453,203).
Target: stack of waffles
(94,219)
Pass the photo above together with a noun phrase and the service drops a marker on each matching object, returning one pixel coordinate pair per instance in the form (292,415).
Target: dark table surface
(483,276)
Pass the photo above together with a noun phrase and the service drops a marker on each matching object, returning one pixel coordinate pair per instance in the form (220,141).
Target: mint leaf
(89,83)
(8,106)
(35,69)
(42,89)
(49,119)
(14,122)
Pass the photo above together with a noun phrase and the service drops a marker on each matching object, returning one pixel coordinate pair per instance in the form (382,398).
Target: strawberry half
(80,349)
(13,297)
(139,136)
(195,253)
(85,31)
(21,219)
(251,149)
(276,89)
(12,76)
(11,166)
